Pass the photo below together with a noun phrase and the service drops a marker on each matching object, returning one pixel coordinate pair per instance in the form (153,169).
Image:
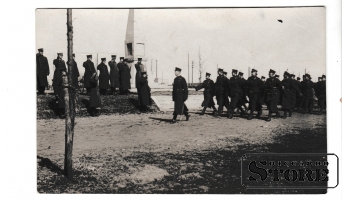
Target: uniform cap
(142,73)
(114,56)
(139,59)
(121,58)
(298,78)
(319,78)
(225,73)
(234,71)
(240,73)
(207,74)
(103,59)
(323,76)
(262,77)
(292,75)
(220,70)
(177,69)
(89,56)
(254,70)
(73,54)
(60,54)
(41,50)
(286,74)
(277,76)
(272,71)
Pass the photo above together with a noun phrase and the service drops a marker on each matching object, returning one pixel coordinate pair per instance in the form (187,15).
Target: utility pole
(69,99)
(157,70)
(188,66)
(192,72)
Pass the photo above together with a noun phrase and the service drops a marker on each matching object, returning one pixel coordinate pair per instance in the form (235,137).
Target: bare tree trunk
(69,99)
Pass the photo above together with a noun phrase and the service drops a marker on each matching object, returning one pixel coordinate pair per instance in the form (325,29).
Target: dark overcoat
(95,99)
(234,90)
(103,77)
(254,86)
(125,76)
(89,71)
(76,74)
(138,68)
(114,74)
(209,91)
(306,87)
(144,92)
(58,88)
(180,94)
(42,70)
(288,95)
(272,86)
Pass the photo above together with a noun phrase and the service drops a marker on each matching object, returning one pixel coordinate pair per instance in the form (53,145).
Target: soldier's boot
(187,116)
(269,117)
(285,114)
(215,111)
(278,114)
(174,119)
(250,115)
(259,114)
(290,112)
(203,111)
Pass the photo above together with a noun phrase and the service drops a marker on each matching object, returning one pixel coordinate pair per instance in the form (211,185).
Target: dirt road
(144,153)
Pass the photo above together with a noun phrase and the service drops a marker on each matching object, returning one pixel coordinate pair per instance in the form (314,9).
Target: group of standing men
(95,82)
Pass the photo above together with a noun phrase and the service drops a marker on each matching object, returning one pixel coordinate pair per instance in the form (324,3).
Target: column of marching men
(96,81)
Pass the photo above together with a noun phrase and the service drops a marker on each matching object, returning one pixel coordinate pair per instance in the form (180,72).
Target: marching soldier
(180,95)
(144,92)
(103,76)
(42,71)
(243,95)
(322,94)
(60,70)
(295,91)
(288,86)
(307,94)
(220,86)
(124,74)
(95,99)
(209,92)
(235,89)
(89,71)
(114,74)
(254,85)
(272,86)
(226,100)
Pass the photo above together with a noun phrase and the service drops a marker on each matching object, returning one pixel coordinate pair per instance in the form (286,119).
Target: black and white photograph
(174,100)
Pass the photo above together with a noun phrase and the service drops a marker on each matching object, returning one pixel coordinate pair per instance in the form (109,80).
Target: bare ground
(144,153)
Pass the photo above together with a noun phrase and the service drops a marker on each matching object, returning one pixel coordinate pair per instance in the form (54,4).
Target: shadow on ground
(212,171)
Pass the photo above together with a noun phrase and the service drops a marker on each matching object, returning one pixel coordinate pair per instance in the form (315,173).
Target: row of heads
(90,56)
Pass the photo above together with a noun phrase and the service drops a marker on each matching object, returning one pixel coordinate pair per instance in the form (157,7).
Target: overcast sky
(231,38)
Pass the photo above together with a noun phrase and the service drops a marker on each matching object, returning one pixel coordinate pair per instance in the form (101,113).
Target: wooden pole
(69,99)
(188,67)
(192,72)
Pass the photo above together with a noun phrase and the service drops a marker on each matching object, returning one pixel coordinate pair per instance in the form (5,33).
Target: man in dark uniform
(307,92)
(263,79)
(279,100)
(243,96)
(124,74)
(264,91)
(220,86)
(272,86)
(144,92)
(89,71)
(226,100)
(289,90)
(180,95)
(95,99)
(113,74)
(234,90)
(42,71)
(103,77)
(209,92)
(297,104)
(317,89)
(60,70)
(295,91)
(254,85)
(75,73)
(322,94)
(138,67)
